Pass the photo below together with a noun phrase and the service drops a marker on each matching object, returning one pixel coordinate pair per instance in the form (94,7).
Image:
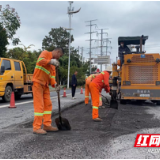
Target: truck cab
(14,77)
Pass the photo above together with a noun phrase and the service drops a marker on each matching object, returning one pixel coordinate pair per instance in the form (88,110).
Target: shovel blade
(114,104)
(62,124)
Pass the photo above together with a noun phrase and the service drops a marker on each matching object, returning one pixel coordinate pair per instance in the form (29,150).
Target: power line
(90,32)
(102,40)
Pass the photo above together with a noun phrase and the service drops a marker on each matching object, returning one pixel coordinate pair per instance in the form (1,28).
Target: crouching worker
(95,87)
(44,74)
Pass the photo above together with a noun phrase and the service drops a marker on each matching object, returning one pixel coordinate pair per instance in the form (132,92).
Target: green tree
(30,61)
(58,37)
(28,57)
(26,48)
(10,22)
(16,53)
(3,41)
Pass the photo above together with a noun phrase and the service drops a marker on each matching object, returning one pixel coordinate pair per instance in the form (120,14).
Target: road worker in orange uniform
(88,81)
(96,86)
(44,74)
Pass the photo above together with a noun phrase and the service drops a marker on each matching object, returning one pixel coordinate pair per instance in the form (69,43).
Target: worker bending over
(101,81)
(88,81)
(44,74)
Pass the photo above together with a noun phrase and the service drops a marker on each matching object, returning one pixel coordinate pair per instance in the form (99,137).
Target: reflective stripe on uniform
(38,114)
(39,59)
(93,76)
(94,107)
(53,77)
(43,69)
(102,72)
(100,98)
(102,81)
(86,96)
(47,112)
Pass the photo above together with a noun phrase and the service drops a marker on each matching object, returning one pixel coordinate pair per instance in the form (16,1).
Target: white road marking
(16,104)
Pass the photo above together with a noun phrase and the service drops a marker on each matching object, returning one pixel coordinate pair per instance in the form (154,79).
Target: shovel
(113,103)
(62,123)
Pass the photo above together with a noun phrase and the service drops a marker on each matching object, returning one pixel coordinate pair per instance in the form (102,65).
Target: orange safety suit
(88,81)
(44,74)
(96,86)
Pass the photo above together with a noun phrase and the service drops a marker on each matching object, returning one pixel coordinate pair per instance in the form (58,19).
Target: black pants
(73,90)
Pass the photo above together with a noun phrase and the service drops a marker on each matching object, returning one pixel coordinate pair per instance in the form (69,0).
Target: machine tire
(122,101)
(140,101)
(157,102)
(7,95)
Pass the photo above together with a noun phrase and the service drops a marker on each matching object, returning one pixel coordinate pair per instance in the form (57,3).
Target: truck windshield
(6,65)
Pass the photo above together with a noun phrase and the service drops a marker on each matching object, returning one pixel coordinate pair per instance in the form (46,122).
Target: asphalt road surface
(24,108)
(114,137)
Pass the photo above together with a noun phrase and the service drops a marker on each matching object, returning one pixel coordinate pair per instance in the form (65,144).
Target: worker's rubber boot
(97,119)
(50,128)
(40,131)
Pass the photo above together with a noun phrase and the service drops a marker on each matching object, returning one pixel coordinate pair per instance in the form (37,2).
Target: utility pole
(101,46)
(107,40)
(82,54)
(90,32)
(70,13)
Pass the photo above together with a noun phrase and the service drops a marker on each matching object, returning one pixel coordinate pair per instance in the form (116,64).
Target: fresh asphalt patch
(87,139)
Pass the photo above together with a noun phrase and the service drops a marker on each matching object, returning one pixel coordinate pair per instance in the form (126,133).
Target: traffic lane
(28,97)
(25,111)
(83,141)
(87,139)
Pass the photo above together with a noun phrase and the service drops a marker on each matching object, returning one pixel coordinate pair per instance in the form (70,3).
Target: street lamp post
(70,12)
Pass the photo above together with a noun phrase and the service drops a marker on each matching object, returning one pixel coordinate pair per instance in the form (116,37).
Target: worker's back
(100,80)
(90,78)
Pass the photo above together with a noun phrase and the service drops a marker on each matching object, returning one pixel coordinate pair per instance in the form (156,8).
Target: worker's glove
(57,88)
(54,62)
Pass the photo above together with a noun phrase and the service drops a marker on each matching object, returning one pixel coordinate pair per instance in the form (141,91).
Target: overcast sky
(121,19)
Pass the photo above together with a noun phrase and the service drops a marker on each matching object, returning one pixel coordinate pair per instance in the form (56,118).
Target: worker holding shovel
(44,74)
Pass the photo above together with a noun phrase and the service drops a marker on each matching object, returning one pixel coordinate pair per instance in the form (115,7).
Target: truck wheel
(17,96)
(7,95)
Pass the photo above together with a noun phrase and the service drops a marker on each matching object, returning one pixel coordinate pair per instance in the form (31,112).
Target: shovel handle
(59,104)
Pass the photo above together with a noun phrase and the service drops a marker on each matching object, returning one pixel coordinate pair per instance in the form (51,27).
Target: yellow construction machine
(136,75)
